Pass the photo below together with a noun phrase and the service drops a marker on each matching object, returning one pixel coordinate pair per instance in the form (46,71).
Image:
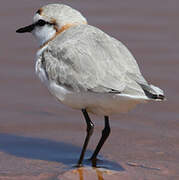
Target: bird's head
(51,20)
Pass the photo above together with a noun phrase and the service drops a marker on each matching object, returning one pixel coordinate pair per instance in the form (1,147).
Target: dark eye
(41,22)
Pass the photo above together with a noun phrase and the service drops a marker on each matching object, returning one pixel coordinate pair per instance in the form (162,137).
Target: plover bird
(86,69)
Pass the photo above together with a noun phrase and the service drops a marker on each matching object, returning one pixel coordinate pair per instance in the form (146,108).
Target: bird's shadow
(44,149)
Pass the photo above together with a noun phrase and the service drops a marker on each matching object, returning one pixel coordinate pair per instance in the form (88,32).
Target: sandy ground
(41,139)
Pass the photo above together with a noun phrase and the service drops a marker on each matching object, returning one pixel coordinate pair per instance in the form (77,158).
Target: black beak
(26,29)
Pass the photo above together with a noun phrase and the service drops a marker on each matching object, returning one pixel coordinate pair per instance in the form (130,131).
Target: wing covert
(86,59)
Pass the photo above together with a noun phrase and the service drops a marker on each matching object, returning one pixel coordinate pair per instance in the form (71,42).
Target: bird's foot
(94,162)
(78,166)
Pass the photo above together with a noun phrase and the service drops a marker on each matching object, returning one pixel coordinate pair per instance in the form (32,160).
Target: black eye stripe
(38,11)
(41,22)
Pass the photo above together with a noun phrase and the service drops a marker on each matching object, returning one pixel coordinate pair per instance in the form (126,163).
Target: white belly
(97,103)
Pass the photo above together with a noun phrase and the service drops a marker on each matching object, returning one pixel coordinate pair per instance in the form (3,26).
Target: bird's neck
(53,35)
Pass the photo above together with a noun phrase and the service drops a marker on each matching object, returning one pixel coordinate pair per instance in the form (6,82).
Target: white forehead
(37,17)
(62,14)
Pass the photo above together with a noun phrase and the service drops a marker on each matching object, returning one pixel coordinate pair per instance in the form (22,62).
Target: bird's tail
(153,92)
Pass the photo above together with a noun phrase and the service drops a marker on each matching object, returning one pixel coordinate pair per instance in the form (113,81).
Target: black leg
(105,134)
(90,127)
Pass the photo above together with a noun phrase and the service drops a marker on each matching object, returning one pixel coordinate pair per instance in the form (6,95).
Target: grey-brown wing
(86,59)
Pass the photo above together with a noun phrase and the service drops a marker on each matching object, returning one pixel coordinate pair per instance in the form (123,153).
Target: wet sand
(41,139)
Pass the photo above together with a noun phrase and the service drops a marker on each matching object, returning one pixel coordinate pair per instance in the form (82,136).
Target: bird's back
(94,58)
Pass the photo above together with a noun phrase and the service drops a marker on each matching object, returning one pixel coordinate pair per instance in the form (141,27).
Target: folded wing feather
(84,58)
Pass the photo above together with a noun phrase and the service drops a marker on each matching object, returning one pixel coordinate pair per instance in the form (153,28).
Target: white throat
(44,34)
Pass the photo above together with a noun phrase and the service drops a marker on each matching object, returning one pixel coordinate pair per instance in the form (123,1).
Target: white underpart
(44,33)
(38,67)
(100,104)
